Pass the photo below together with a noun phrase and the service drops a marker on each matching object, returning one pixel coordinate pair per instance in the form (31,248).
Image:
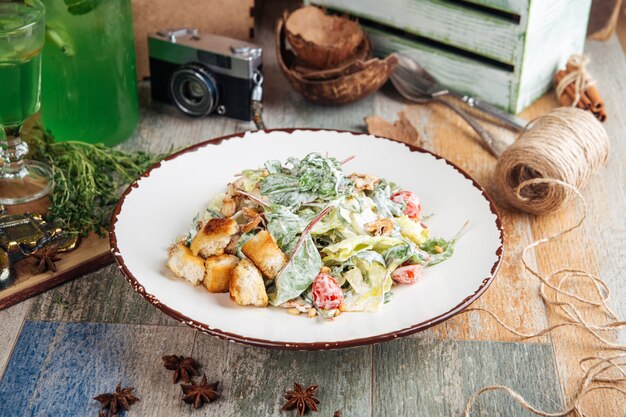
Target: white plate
(159,206)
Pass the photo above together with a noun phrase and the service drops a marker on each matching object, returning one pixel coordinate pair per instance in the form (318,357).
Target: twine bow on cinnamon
(576,88)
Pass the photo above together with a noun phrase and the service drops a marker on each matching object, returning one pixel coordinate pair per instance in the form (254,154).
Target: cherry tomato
(413,206)
(407,274)
(327,293)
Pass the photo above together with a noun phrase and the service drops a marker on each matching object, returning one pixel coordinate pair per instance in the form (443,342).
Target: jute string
(545,167)
(579,77)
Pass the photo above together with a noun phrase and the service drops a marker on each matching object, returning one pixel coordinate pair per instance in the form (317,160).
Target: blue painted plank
(57,368)
(426,377)
(24,368)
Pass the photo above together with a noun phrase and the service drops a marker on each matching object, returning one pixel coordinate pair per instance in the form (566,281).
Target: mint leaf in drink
(80,7)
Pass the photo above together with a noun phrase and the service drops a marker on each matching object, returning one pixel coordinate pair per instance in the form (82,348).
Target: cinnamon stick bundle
(590,99)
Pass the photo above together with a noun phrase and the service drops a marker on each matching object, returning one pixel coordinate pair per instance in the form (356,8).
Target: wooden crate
(502,51)
(234,18)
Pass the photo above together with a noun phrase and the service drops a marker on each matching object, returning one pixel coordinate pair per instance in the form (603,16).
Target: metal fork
(412,72)
(416,95)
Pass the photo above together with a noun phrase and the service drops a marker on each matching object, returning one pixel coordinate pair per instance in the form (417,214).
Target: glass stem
(13,152)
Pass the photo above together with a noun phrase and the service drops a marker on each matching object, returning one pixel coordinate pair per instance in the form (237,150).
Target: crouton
(218,270)
(185,264)
(246,285)
(364,181)
(265,253)
(213,237)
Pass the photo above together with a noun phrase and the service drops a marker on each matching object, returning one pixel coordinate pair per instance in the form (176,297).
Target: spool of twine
(566,145)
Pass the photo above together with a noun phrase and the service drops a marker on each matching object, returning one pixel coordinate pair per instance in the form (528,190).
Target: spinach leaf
(285,190)
(441,249)
(211,213)
(382,197)
(447,249)
(284,226)
(242,241)
(193,229)
(274,166)
(298,274)
(314,177)
(302,268)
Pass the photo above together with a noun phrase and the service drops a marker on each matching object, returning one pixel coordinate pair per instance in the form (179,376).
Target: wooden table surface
(65,346)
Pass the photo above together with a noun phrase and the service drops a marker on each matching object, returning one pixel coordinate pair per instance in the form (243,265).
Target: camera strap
(257,100)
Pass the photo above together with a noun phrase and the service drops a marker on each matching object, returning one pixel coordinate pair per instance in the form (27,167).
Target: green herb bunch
(88,179)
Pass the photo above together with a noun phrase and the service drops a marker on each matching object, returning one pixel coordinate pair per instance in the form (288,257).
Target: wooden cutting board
(92,253)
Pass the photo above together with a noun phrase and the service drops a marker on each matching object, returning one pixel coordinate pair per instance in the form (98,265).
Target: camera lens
(193,90)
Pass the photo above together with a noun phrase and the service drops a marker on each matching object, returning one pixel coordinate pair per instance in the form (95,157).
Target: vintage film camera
(202,74)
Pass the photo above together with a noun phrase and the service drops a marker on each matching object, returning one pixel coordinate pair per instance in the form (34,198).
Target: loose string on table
(597,373)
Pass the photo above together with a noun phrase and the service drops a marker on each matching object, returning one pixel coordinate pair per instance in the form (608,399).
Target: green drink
(21,41)
(89,87)
(20,62)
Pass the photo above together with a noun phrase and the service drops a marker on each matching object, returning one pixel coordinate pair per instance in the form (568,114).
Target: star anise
(46,259)
(198,394)
(116,401)
(184,368)
(302,400)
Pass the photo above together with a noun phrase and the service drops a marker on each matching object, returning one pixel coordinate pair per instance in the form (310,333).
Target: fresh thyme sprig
(88,179)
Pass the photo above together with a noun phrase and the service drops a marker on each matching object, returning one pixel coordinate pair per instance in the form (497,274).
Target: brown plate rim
(467,301)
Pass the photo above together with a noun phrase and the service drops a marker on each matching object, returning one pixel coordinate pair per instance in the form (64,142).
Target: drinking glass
(22,32)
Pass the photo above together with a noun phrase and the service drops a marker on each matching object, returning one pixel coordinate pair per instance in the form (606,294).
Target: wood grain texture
(12,320)
(621,27)
(599,246)
(254,380)
(450,23)
(603,19)
(92,253)
(436,377)
(58,368)
(413,376)
(101,296)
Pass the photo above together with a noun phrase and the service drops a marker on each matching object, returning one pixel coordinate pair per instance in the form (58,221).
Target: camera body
(202,74)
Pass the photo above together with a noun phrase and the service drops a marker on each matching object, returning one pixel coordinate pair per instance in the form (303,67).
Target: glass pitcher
(89,86)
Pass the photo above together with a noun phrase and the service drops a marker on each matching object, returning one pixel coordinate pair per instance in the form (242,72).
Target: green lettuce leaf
(412,230)
(344,250)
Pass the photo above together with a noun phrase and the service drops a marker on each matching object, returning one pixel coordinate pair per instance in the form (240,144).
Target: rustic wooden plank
(11,319)
(436,377)
(102,296)
(621,27)
(57,369)
(511,6)
(92,253)
(23,370)
(492,84)
(451,23)
(556,30)
(603,19)
(254,379)
(598,246)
